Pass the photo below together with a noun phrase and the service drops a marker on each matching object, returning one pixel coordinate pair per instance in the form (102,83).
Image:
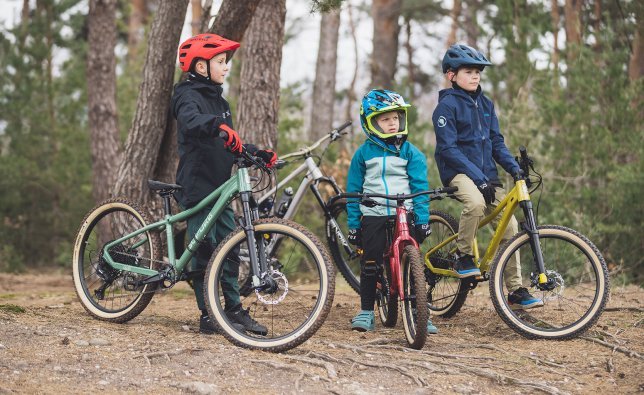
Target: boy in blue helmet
(469,144)
(386,163)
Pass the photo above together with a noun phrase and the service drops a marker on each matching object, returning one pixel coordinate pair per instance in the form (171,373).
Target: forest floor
(49,344)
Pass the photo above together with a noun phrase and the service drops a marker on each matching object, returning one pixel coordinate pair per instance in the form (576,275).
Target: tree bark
(101,96)
(257,112)
(556,19)
(472,23)
(572,11)
(385,14)
(197,16)
(347,144)
(236,17)
(636,62)
(410,61)
(150,120)
(454,15)
(136,27)
(325,69)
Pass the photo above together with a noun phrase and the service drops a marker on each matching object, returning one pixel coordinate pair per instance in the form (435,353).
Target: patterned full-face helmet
(380,101)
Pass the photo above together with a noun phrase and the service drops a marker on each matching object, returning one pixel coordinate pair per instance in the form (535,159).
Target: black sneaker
(242,317)
(465,267)
(521,299)
(207,326)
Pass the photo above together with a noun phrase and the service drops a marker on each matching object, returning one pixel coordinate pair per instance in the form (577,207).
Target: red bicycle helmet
(203,46)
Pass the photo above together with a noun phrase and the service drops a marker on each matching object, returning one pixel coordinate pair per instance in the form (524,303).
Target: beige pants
(474,211)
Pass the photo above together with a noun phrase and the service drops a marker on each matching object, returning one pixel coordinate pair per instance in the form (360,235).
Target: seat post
(166,204)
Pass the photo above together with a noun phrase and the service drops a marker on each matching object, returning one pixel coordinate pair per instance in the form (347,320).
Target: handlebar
(333,135)
(247,155)
(436,194)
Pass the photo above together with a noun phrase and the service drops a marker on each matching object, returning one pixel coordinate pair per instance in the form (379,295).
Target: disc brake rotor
(558,290)
(280,292)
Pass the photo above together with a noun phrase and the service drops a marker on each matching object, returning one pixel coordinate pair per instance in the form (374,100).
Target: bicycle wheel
(579,274)
(415,311)
(106,293)
(387,303)
(445,295)
(348,263)
(302,280)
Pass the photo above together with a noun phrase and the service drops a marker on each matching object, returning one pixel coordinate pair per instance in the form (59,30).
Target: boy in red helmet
(206,161)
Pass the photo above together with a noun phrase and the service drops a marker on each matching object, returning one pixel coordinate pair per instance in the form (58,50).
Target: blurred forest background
(85,88)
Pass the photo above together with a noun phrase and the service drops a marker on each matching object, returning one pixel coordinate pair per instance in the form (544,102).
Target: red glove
(234,142)
(269,157)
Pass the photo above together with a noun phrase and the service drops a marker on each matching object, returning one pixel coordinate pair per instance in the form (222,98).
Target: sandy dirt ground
(49,344)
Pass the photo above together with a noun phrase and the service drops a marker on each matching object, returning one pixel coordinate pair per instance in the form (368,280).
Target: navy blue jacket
(468,139)
(204,162)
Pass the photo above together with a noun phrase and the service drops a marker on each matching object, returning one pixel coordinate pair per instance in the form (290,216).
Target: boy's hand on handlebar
(422,232)
(234,142)
(268,156)
(518,175)
(488,192)
(355,237)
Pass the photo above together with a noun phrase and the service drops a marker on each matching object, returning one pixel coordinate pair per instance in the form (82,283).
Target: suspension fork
(257,263)
(533,237)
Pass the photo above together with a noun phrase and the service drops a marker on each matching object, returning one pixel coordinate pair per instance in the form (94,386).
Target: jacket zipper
(384,167)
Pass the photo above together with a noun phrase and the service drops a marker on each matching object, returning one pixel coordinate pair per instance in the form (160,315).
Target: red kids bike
(404,277)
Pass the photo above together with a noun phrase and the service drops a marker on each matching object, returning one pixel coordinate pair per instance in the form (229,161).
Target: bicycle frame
(519,195)
(402,238)
(222,196)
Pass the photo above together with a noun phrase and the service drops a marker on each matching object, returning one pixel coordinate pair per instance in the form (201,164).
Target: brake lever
(369,202)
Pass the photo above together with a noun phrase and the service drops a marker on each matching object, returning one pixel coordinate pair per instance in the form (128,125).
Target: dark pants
(374,243)
(229,284)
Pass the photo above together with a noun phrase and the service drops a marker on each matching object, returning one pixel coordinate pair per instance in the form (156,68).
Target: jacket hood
(200,84)
(459,92)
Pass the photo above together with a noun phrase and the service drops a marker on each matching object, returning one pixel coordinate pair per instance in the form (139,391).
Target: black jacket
(204,163)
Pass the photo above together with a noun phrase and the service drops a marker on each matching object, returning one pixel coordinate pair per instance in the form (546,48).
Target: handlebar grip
(449,190)
(343,126)
(523,152)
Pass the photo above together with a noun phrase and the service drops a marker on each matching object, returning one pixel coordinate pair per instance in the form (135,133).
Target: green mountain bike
(118,263)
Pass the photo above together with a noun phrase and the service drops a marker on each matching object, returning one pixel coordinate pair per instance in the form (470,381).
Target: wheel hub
(275,290)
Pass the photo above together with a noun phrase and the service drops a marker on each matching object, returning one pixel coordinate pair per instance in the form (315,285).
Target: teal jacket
(377,167)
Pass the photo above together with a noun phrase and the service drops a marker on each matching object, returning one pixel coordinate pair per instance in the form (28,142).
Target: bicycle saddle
(162,187)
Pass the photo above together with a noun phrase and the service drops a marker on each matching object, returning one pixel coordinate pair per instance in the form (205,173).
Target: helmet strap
(208,69)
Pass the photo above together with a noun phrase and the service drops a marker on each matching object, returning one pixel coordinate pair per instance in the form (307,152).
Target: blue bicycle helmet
(379,101)
(459,55)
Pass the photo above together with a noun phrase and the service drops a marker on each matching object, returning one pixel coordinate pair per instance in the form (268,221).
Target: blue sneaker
(364,322)
(521,299)
(431,329)
(465,267)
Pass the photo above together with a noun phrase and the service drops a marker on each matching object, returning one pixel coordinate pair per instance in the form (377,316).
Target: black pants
(374,242)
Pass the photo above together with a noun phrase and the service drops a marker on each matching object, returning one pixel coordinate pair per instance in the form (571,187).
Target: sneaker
(521,299)
(364,322)
(207,326)
(431,328)
(465,267)
(242,317)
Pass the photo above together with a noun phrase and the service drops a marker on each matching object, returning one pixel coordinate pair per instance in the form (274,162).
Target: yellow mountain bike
(559,265)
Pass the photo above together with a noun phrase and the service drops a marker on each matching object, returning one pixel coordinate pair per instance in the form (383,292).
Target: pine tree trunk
(135,28)
(257,112)
(197,16)
(451,38)
(454,15)
(472,23)
(636,63)
(148,128)
(325,68)
(556,19)
(101,96)
(235,16)
(572,11)
(385,14)
(351,90)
